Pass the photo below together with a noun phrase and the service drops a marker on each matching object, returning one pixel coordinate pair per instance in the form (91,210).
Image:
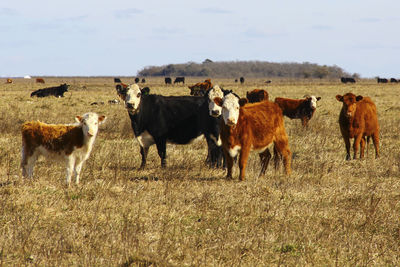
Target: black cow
(143,80)
(117,80)
(241,80)
(382,80)
(137,80)
(347,80)
(393,80)
(168,80)
(57,91)
(236,80)
(157,119)
(180,79)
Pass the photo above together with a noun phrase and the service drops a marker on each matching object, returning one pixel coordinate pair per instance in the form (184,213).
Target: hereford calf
(252,127)
(298,108)
(257,95)
(200,89)
(358,120)
(72,143)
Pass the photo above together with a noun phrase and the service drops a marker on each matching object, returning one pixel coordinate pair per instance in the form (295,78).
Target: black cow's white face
(214,109)
(132,98)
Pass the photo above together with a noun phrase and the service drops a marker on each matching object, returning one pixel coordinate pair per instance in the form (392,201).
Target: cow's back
(366,115)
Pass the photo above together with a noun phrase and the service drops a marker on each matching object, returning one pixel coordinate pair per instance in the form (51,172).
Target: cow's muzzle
(215,113)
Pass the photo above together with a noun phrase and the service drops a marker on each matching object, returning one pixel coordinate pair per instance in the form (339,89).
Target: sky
(121,37)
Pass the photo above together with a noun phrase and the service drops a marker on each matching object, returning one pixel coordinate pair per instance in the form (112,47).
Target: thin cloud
(127,13)
(8,12)
(214,10)
(369,20)
(322,27)
(252,33)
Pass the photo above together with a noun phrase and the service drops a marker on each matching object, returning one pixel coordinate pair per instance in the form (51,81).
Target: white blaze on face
(90,123)
(313,102)
(214,109)
(230,109)
(133,96)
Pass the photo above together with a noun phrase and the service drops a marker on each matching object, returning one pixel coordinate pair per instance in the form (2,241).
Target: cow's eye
(139,94)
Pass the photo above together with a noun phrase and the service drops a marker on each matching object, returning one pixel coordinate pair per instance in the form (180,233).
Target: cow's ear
(243,101)
(247,94)
(339,98)
(359,97)
(102,119)
(78,118)
(145,91)
(318,98)
(218,101)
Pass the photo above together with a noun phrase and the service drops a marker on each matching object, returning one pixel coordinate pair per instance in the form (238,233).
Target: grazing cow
(252,127)
(257,95)
(268,81)
(9,80)
(382,80)
(137,80)
(117,80)
(70,142)
(180,79)
(358,119)
(298,108)
(168,80)
(157,119)
(39,80)
(241,80)
(347,80)
(143,80)
(201,88)
(393,80)
(236,80)
(57,91)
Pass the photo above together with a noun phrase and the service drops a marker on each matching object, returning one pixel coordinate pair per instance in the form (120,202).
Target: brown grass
(328,212)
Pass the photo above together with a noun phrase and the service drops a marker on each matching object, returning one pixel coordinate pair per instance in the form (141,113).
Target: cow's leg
(143,152)
(78,168)
(362,147)
(282,147)
(356,143)
(162,151)
(347,143)
(28,163)
(304,121)
(210,160)
(277,158)
(70,168)
(244,156)
(375,139)
(264,160)
(229,164)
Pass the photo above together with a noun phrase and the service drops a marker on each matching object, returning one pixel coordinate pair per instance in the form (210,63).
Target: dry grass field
(328,212)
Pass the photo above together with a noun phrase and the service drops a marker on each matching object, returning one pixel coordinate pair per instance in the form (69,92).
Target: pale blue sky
(120,37)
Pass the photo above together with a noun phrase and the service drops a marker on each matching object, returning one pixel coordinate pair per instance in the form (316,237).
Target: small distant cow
(9,80)
(39,80)
(247,127)
(57,91)
(257,95)
(382,80)
(168,80)
(143,80)
(117,80)
(137,80)
(302,109)
(70,142)
(236,80)
(180,79)
(358,119)
(347,80)
(200,89)
(241,80)
(393,80)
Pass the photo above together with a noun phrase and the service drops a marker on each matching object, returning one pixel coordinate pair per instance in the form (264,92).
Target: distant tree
(207,61)
(356,76)
(321,72)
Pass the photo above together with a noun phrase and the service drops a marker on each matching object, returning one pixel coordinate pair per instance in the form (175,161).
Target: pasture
(328,212)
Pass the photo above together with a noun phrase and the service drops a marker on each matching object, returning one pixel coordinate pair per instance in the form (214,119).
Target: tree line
(245,68)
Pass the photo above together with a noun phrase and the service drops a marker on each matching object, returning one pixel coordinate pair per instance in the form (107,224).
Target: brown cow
(39,80)
(200,89)
(257,95)
(252,127)
(358,120)
(298,108)
(9,80)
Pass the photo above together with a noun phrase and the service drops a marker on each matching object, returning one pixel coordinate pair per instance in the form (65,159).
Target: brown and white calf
(247,127)
(298,108)
(70,142)
(358,119)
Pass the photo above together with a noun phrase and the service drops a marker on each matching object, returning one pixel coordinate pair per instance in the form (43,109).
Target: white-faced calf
(70,142)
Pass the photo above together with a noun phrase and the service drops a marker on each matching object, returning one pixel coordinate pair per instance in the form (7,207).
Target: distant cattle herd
(231,125)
